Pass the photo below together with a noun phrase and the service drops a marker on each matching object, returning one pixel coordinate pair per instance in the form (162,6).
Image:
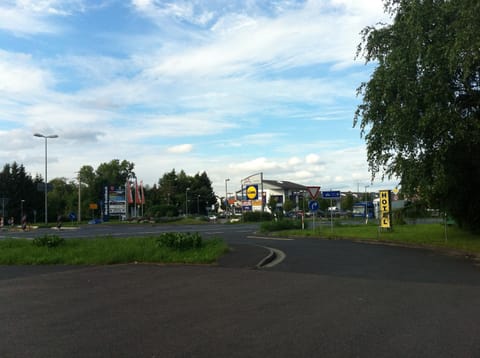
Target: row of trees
(174,194)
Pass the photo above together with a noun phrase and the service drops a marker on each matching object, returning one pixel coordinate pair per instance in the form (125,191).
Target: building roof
(285,185)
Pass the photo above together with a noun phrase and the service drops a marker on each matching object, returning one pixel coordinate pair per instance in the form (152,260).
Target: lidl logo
(252,192)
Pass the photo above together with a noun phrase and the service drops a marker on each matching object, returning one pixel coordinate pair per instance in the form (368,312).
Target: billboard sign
(115,201)
(385,209)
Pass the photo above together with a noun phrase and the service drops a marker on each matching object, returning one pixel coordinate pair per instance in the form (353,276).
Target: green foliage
(256,216)
(104,251)
(398,217)
(272,204)
(180,240)
(172,191)
(284,224)
(48,241)
(347,202)
(166,199)
(20,191)
(162,210)
(415,210)
(288,205)
(420,114)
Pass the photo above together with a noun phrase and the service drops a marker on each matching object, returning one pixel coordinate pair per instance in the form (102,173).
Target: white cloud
(244,44)
(23,22)
(19,75)
(312,159)
(142,4)
(180,149)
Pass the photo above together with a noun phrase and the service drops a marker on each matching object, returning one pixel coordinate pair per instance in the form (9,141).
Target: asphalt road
(325,299)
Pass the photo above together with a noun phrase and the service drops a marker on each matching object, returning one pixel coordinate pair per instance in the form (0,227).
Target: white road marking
(269,238)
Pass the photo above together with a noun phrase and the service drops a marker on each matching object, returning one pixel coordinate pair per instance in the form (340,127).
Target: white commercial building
(249,197)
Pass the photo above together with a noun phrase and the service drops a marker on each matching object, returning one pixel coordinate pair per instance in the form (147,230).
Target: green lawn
(106,250)
(430,235)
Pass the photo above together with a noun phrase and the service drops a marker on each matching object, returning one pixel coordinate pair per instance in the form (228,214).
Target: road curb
(267,259)
(274,257)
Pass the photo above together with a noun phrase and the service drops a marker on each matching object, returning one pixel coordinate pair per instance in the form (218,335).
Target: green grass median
(424,235)
(106,250)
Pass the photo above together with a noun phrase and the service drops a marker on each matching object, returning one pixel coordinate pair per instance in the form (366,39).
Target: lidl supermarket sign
(252,192)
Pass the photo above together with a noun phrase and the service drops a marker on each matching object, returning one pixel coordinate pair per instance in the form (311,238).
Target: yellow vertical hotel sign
(385,209)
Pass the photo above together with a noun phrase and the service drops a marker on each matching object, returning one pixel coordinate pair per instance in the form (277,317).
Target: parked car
(294,214)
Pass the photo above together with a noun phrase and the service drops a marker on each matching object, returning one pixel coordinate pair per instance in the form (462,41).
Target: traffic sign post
(313,206)
(332,195)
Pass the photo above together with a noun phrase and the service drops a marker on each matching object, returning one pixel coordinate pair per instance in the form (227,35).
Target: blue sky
(228,87)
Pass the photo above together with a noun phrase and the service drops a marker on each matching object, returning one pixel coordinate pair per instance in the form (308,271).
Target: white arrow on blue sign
(331,194)
(313,205)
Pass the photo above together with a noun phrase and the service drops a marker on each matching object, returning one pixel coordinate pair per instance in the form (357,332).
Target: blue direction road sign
(313,205)
(331,194)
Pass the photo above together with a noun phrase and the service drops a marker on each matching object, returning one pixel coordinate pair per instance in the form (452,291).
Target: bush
(256,216)
(162,211)
(48,241)
(285,224)
(180,240)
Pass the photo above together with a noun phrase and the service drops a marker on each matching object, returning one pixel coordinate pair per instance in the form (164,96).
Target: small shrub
(162,210)
(180,240)
(398,217)
(256,216)
(48,241)
(284,224)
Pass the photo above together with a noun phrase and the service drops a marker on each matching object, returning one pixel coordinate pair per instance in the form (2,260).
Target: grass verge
(104,251)
(425,235)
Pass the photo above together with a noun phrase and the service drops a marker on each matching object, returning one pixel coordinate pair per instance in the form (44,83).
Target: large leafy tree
(18,191)
(420,114)
(113,173)
(174,188)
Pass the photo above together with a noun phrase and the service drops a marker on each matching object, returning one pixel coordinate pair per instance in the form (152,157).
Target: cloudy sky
(228,87)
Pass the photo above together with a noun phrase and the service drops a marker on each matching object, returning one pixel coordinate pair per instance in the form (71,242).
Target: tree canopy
(420,114)
(175,193)
(184,192)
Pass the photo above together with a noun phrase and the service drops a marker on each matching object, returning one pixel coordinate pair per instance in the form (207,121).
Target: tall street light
(79,216)
(186,202)
(46,137)
(21,209)
(226,198)
(366,186)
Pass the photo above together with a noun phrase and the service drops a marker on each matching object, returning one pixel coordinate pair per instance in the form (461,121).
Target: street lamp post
(21,209)
(186,201)
(198,204)
(366,186)
(226,198)
(79,216)
(46,137)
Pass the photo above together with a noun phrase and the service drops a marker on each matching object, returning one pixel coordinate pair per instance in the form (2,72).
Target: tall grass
(102,251)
